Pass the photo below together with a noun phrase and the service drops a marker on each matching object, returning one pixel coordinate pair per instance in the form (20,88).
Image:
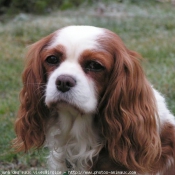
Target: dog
(86,97)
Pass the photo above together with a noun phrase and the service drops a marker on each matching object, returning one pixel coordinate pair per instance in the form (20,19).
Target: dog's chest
(75,140)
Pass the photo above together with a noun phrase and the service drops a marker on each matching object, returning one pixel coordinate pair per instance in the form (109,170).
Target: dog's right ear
(33,113)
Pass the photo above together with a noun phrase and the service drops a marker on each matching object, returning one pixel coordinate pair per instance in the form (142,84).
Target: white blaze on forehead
(76,39)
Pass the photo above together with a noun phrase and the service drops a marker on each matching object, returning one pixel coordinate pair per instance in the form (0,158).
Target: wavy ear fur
(32,114)
(128,111)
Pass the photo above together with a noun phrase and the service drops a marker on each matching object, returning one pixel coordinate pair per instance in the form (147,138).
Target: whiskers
(39,89)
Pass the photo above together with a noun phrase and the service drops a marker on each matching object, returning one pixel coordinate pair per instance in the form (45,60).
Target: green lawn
(147,27)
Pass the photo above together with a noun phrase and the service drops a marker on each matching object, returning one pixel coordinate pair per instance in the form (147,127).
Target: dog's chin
(62,105)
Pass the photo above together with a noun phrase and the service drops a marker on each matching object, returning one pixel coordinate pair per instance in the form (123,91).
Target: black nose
(64,83)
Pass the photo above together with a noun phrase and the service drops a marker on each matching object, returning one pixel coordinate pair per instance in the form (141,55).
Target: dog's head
(77,67)
(90,70)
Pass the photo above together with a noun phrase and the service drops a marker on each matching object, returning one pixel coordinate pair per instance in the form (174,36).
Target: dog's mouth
(75,101)
(65,105)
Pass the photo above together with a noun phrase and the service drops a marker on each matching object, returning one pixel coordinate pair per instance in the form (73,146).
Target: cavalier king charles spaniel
(86,97)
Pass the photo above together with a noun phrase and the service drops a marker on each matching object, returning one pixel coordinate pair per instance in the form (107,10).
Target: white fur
(83,95)
(76,39)
(71,135)
(165,115)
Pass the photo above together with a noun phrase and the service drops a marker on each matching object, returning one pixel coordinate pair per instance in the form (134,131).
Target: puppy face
(77,68)
(89,70)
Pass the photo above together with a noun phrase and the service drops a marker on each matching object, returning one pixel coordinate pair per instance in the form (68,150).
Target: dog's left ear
(32,114)
(128,112)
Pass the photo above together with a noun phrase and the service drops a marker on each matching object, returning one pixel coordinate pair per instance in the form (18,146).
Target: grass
(146,27)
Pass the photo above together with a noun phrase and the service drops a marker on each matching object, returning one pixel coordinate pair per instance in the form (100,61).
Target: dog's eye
(94,66)
(52,59)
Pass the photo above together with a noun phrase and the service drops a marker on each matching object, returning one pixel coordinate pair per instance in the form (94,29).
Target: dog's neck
(75,134)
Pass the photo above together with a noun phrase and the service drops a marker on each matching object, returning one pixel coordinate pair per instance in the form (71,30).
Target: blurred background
(146,26)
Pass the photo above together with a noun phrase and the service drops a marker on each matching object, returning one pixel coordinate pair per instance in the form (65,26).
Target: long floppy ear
(128,111)
(32,114)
